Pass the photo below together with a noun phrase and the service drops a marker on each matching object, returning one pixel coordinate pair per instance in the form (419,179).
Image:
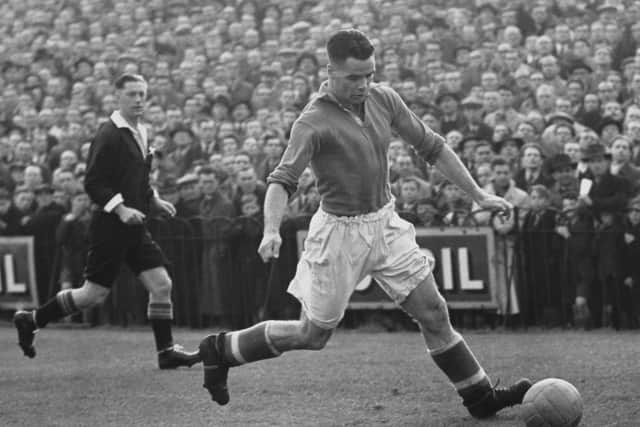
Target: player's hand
(164,206)
(270,246)
(494,203)
(129,216)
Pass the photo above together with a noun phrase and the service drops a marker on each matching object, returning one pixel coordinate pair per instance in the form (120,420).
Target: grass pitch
(108,377)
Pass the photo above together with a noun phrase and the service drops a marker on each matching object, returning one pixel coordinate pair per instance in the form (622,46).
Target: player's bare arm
(275,204)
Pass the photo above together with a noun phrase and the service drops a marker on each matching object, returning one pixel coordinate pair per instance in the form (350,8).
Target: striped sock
(62,305)
(249,345)
(459,364)
(160,316)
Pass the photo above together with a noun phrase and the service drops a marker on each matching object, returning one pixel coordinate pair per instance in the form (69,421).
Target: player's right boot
(216,369)
(499,398)
(26,326)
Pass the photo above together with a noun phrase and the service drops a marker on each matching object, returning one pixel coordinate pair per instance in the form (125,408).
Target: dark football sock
(249,345)
(461,367)
(161,316)
(60,306)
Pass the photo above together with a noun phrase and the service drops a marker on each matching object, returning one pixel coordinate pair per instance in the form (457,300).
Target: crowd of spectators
(541,99)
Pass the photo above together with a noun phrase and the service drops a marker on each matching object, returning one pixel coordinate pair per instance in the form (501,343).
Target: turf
(108,377)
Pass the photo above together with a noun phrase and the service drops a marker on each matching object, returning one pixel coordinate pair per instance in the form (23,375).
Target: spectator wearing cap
(188,204)
(213,203)
(565,181)
(608,129)
(531,172)
(472,111)
(621,164)
(187,149)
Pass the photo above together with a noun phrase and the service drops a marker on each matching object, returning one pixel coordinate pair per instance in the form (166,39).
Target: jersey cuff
(115,201)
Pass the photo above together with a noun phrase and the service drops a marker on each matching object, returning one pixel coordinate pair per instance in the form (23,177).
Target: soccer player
(344,132)
(117,181)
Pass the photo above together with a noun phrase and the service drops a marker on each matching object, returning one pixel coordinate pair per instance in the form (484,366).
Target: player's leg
(160,314)
(324,281)
(454,357)
(65,303)
(264,340)
(405,275)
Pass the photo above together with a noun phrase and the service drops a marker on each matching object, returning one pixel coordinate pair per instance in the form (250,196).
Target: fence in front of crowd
(527,277)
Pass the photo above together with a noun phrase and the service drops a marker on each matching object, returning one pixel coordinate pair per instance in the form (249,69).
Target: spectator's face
(247,180)
(563,134)
(598,166)
(409,192)
(531,158)
(483,174)
(538,201)
(591,103)
(501,175)
(489,81)
(602,57)
(549,68)
(208,184)
(182,139)
(32,176)
(563,105)
(392,72)
(242,162)
(482,154)
(574,92)
(581,49)
(491,101)
(472,113)
(606,92)
(68,160)
(536,80)
(545,99)
(562,34)
(634,215)
(24,152)
(273,148)
(254,129)
(613,109)
(448,105)
(306,178)
(396,148)
(633,130)
(500,132)
(404,166)
(620,151)
(250,208)
(229,146)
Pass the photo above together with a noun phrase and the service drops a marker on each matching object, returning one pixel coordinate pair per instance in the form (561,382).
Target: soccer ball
(552,402)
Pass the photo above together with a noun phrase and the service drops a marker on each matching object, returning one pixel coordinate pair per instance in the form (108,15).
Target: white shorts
(340,251)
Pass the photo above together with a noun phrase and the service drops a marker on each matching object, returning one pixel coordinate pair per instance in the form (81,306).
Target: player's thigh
(108,244)
(146,256)
(326,275)
(403,265)
(426,304)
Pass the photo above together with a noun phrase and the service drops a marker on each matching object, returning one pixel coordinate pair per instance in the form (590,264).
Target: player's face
(350,80)
(132,98)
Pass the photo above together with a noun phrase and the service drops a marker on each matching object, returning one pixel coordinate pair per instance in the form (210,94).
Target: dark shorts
(112,243)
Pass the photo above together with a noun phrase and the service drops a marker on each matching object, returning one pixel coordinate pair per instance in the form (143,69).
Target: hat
(181,128)
(628,60)
(288,51)
(489,7)
(127,57)
(593,151)
(268,69)
(447,94)
(183,29)
(558,116)
(460,47)
(43,188)
(608,121)
(190,178)
(301,26)
(559,162)
(221,99)
(607,8)
(522,71)
(471,102)
(17,166)
(579,65)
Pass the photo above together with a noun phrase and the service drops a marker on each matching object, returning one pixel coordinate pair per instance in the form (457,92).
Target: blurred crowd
(541,99)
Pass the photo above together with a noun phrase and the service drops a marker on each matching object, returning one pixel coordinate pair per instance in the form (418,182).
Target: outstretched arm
(275,204)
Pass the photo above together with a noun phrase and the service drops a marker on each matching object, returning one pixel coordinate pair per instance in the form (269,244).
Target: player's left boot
(499,398)
(216,369)
(26,326)
(175,356)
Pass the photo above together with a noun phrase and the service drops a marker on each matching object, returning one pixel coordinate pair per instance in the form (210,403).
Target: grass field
(108,377)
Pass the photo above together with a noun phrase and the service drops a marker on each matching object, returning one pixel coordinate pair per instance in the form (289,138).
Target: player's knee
(313,338)
(90,295)
(435,316)
(162,288)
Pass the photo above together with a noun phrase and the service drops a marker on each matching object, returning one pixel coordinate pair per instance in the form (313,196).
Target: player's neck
(131,119)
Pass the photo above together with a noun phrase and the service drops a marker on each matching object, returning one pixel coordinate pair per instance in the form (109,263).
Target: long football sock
(249,345)
(161,315)
(62,305)
(461,367)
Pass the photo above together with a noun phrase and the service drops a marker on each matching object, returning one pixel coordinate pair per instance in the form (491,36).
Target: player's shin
(250,345)
(160,316)
(62,305)
(457,361)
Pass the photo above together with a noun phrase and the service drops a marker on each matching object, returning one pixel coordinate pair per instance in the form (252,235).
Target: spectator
(212,202)
(532,172)
(247,183)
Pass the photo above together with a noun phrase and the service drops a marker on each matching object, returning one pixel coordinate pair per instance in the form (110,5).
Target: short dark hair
(128,77)
(349,43)
(499,161)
